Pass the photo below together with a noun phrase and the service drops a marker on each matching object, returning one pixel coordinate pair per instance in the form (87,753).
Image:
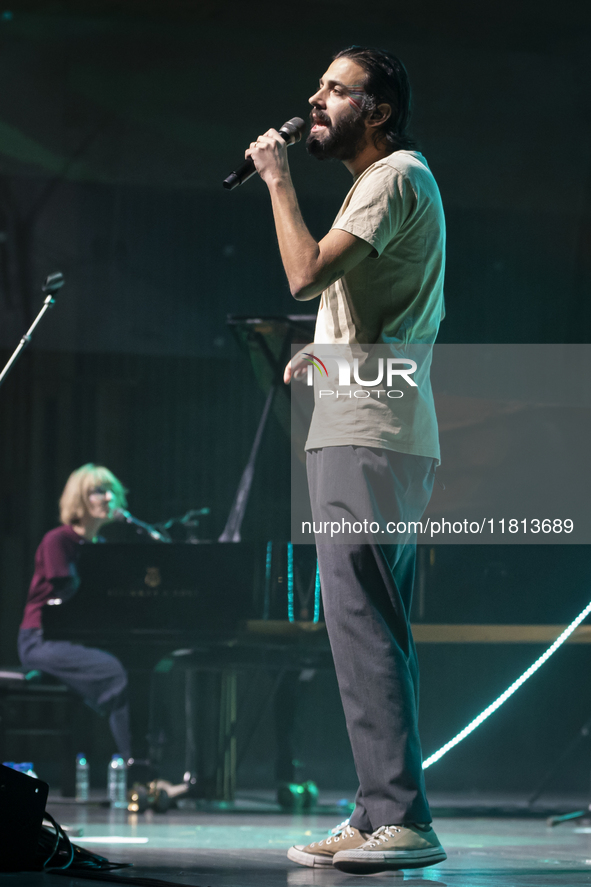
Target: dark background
(118,121)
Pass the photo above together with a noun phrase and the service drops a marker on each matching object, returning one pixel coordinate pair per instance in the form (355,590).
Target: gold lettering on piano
(153,592)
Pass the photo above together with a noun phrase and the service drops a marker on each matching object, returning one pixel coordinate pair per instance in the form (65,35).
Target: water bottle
(82,778)
(117,782)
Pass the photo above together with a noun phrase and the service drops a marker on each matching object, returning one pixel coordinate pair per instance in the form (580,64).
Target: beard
(342,141)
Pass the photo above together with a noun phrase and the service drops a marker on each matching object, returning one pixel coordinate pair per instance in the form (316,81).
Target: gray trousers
(95,675)
(367,594)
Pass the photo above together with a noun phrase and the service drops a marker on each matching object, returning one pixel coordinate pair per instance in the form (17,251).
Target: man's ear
(380,114)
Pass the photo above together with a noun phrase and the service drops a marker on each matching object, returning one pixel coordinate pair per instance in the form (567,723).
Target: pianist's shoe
(390,848)
(343,837)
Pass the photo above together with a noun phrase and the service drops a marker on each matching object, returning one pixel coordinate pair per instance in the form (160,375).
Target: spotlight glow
(509,691)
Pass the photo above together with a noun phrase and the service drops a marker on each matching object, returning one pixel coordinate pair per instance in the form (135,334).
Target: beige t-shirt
(394,298)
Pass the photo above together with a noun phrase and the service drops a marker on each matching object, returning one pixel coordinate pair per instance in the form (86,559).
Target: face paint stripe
(355,97)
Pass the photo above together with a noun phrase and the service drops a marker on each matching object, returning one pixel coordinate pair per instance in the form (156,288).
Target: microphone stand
(52,284)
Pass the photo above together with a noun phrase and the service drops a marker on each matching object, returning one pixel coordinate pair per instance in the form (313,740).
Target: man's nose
(317,100)
(108,495)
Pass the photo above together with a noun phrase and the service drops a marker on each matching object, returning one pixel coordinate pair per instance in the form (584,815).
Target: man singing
(380,273)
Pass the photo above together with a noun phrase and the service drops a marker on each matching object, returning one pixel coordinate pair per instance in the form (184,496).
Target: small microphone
(123,514)
(53,283)
(291,132)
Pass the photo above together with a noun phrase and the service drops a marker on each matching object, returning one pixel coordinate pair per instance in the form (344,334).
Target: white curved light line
(436,756)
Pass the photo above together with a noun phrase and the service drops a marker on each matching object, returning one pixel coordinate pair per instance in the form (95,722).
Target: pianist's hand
(298,365)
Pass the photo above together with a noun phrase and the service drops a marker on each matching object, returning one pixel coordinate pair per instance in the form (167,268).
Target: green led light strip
(509,691)
(290,614)
(317,594)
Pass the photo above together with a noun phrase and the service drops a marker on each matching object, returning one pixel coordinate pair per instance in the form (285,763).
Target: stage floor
(245,847)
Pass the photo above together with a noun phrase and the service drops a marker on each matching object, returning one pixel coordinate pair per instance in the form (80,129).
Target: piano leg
(190,743)
(226,757)
(285,712)
(207,691)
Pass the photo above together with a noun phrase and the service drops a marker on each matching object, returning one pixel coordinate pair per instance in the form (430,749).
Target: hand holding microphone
(266,149)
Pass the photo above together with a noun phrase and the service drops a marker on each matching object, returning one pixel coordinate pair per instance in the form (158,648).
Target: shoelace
(340,827)
(382,835)
(337,834)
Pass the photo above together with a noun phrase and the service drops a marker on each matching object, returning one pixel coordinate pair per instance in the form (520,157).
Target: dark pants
(95,675)
(367,594)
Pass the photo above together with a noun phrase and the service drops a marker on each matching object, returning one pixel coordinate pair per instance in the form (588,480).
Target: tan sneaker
(392,847)
(322,852)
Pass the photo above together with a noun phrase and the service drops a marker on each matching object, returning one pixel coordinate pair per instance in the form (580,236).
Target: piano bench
(35,706)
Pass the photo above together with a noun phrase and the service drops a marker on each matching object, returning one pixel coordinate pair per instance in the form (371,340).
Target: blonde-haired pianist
(89,500)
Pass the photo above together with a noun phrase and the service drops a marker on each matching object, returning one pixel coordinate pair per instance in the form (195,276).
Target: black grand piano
(202,615)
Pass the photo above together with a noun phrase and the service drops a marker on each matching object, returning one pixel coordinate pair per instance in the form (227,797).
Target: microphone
(122,514)
(53,283)
(291,132)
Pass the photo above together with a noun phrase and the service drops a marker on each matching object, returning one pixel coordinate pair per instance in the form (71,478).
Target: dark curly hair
(386,82)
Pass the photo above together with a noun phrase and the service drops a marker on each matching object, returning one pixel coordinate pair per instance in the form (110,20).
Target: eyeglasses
(100,491)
